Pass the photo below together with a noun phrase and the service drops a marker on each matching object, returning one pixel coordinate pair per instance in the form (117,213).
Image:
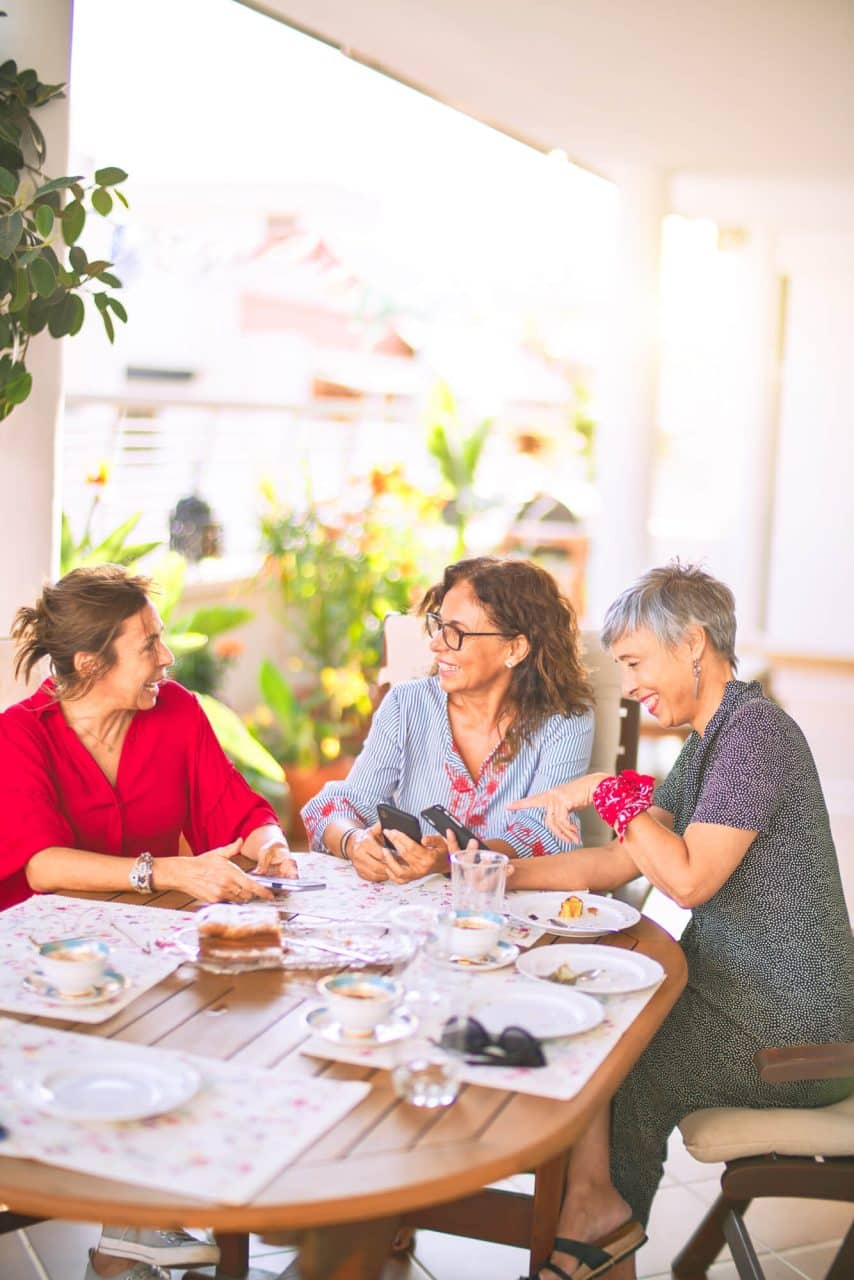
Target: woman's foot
(589,1219)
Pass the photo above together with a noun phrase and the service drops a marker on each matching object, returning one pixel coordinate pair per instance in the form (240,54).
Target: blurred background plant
(338,568)
(458,456)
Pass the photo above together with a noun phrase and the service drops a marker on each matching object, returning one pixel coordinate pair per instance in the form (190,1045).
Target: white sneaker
(139,1271)
(161,1248)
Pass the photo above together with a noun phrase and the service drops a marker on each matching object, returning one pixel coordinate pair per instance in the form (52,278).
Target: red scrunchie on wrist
(618,800)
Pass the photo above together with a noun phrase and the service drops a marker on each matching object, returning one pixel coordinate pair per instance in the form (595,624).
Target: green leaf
(108,325)
(117,308)
(130,555)
(67,549)
(97,267)
(6,333)
(57,321)
(182,642)
(110,176)
(8,182)
(77,313)
(11,230)
(214,620)
(120,195)
(168,577)
(43,279)
(106,277)
(18,388)
(278,694)
(73,221)
(56,184)
(77,258)
(236,740)
(102,201)
(21,296)
(472,447)
(44,220)
(106,551)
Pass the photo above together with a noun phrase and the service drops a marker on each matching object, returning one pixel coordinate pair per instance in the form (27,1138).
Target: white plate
(545,1015)
(503,953)
(401,1023)
(112,985)
(623,971)
(601,915)
(368,943)
(126,1091)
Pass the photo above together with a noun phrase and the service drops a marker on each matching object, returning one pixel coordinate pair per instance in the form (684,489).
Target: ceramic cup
(359,1001)
(74,965)
(468,933)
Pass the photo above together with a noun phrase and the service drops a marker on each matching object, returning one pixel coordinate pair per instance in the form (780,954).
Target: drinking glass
(426,1075)
(478,877)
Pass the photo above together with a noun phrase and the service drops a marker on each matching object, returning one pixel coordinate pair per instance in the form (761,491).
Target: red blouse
(173,777)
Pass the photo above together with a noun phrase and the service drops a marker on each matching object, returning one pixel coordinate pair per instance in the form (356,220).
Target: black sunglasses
(513,1047)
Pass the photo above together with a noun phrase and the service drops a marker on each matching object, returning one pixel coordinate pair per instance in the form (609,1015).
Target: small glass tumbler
(426,1075)
(478,877)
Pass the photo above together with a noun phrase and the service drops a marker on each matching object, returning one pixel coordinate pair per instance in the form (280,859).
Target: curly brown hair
(81,613)
(521,599)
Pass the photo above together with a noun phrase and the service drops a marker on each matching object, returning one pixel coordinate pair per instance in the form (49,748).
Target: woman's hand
(211,876)
(416,860)
(269,850)
(367,854)
(559,802)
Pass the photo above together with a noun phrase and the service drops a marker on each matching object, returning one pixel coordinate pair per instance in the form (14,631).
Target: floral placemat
(223,1146)
(348,897)
(127,929)
(570,1062)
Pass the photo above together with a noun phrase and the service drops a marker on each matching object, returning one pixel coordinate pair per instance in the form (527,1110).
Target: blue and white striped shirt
(410,759)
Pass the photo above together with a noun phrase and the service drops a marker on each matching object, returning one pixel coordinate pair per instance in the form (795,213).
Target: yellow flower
(345,687)
(101,476)
(330,748)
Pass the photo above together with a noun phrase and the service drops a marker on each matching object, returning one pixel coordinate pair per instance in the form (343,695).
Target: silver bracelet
(140,874)
(345,842)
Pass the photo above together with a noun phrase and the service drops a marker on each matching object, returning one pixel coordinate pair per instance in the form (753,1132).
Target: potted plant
(338,569)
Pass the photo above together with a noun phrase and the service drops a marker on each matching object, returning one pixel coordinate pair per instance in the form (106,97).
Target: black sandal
(596,1258)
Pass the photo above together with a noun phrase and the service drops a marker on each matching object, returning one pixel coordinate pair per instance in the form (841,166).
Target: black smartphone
(437,815)
(398,820)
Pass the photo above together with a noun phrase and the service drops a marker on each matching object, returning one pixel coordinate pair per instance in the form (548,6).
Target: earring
(696,670)
(509,663)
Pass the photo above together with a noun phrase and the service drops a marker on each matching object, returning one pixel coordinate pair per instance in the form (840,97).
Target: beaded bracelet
(618,800)
(140,874)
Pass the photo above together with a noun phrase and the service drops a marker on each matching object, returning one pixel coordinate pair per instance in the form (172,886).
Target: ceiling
(737,88)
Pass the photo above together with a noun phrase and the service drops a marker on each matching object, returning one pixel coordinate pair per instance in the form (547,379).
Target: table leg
(353,1251)
(549,1182)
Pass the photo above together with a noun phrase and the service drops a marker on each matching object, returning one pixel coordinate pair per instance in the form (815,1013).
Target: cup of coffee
(73,965)
(478,877)
(359,1001)
(469,933)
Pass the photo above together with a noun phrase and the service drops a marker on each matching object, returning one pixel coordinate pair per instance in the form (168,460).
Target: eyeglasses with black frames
(452,635)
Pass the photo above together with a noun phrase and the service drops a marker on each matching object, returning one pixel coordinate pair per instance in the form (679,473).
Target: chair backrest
(406,655)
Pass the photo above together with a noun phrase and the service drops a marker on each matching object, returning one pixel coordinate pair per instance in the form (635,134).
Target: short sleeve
(223,807)
(29,801)
(743,783)
(373,779)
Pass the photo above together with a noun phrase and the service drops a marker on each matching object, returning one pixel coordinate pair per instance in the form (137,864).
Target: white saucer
(126,1091)
(503,953)
(113,985)
(599,915)
(619,971)
(401,1024)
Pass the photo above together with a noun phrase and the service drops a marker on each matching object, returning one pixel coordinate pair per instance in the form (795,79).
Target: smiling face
(659,677)
(481,663)
(141,665)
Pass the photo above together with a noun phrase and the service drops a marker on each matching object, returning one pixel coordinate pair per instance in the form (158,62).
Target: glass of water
(425,1074)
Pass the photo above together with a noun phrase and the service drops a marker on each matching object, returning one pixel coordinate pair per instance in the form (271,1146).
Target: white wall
(811,588)
(36,33)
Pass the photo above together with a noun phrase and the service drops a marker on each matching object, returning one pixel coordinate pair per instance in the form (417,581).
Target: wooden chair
(797,1152)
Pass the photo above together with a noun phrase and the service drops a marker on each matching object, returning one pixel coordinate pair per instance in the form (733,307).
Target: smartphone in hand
(396,819)
(439,817)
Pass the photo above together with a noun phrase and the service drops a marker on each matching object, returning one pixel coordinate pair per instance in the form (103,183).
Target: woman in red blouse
(109,763)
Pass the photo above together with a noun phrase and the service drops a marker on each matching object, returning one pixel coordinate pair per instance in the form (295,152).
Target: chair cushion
(729,1133)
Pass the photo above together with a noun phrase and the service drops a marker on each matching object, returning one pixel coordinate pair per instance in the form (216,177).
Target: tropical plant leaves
(236,740)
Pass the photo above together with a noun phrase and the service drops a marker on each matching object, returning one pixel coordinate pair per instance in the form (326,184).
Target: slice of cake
(571,908)
(250,935)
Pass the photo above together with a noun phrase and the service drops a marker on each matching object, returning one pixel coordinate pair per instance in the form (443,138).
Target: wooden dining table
(386,1163)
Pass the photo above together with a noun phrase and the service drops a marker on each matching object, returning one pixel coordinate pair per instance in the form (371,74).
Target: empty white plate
(621,971)
(126,1091)
(546,1016)
(600,915)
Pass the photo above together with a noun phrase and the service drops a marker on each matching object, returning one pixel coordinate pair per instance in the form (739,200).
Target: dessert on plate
(239,934)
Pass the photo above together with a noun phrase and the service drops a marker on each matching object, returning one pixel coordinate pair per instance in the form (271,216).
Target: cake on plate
(249,936)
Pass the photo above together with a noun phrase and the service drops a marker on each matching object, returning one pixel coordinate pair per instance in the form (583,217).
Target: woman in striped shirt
(507,713)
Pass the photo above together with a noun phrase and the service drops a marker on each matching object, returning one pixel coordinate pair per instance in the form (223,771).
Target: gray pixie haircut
(669,600)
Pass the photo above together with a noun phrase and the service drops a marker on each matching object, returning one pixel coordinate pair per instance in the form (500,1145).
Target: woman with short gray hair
(738,832)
